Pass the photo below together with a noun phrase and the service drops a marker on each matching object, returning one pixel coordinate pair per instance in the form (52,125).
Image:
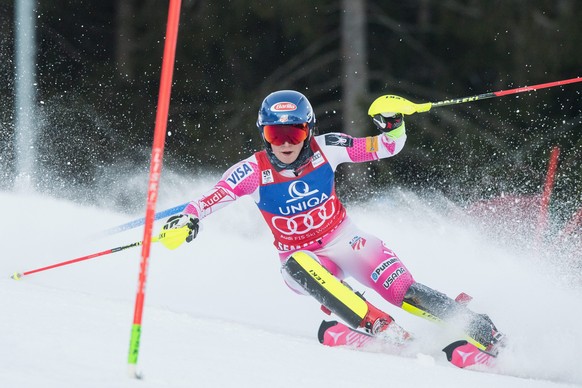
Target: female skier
(292,183)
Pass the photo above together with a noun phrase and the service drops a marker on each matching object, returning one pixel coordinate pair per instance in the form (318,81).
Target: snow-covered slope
(218,314)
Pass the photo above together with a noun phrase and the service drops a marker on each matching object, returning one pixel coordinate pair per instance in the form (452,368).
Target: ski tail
(334,333)
(461,354)
(464,354)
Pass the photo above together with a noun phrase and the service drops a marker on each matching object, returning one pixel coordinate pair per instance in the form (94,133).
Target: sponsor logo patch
(317,159)
(213,198)
(393,276)
(304,222)
(302,198)
(283,107)
(372,144)
(358,243)
(339,140)
(381,268)
(239,173)
(267,176)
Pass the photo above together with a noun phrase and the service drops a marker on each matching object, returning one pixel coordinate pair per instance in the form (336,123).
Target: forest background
(98,69)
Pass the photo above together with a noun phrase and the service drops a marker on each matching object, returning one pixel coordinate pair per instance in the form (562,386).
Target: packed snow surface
(217,313)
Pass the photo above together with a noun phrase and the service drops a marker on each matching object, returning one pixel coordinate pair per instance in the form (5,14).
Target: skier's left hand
(388,121)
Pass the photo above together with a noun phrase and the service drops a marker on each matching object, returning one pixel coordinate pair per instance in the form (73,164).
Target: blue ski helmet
(287,107)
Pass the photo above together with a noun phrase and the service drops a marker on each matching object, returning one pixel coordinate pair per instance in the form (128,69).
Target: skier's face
(287,153)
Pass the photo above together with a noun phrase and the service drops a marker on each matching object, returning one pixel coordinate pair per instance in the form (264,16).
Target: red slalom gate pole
(546,195)
(155,175)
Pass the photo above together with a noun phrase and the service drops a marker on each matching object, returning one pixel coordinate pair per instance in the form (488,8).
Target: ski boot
(382,325)
(435,306)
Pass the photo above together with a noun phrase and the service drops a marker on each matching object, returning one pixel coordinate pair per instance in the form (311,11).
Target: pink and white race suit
(304,212)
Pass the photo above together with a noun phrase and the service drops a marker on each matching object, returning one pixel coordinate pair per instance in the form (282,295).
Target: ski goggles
(286,133)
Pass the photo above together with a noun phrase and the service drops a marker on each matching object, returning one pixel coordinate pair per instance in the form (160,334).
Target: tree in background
(99,65)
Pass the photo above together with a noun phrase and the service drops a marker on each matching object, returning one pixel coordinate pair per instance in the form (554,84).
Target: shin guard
(326,288)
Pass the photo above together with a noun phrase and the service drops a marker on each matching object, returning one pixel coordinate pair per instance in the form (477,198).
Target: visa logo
(239,174)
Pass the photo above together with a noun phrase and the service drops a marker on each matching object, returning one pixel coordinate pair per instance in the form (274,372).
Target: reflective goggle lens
(290,133)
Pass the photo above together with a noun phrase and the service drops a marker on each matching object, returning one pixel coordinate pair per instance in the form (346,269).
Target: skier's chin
(287,157)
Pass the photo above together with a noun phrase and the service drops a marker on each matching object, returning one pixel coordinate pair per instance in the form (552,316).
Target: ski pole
(141,221)
(391,103)
(20,275)
(171,238)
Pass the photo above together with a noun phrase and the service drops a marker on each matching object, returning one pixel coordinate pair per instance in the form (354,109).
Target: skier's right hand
(179,229)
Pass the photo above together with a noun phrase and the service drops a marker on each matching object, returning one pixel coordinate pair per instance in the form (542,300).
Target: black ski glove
(386,122)
(179,228)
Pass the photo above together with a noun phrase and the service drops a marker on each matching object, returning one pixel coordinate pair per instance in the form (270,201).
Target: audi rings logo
(303,223)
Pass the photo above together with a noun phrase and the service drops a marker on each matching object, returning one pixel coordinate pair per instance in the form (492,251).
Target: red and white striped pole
(155,175)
